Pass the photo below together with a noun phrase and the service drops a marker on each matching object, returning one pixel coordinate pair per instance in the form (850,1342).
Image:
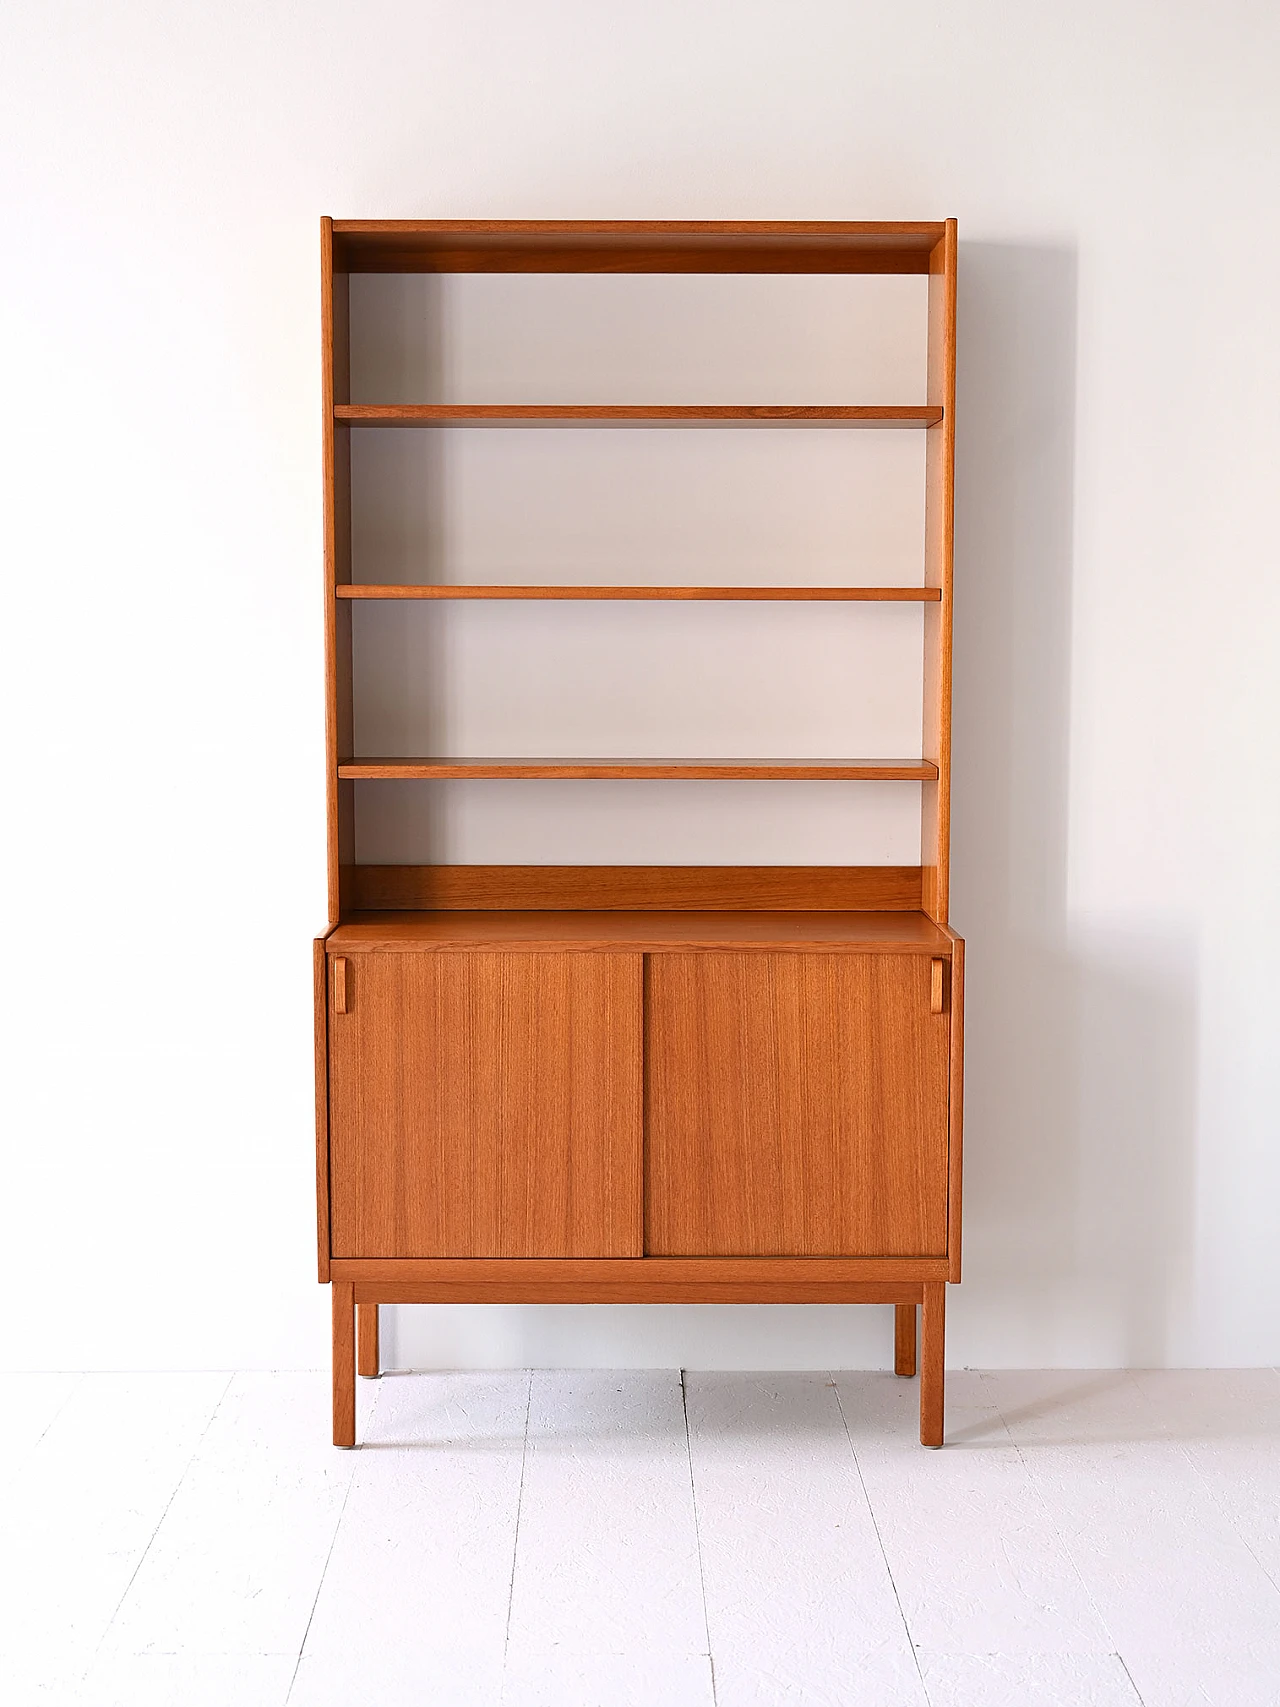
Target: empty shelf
(688,770)
(891,595)
(633,415)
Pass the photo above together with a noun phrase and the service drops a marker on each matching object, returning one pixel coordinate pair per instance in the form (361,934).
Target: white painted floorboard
(415,1599)
(604,1539)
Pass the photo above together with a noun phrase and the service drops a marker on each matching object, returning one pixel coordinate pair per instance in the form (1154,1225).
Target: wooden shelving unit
(604,1083)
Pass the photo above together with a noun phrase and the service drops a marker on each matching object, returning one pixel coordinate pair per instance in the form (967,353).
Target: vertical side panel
(935,820)
(336,388)
(319,976)
(956,1152)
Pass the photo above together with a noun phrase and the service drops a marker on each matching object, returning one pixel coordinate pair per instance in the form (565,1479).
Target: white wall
(1117,697)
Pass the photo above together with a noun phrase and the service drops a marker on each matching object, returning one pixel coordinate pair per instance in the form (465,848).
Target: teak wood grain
(335,315)
(904,1339)
(769,888)
(796,1105)
(939,507)
(319,985)
(635,246)
(956,1108)
(670,1280)
(487,1105)
(933,1326)
(343,1312)
(641,931)
(367,1356)
(635,415)
(648,770)
(775,595)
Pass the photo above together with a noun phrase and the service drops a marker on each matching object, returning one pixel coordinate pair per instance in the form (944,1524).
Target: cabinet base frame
(360,1285)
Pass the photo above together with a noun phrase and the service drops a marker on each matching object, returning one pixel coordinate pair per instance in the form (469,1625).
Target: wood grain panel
(639,246)
(776,888)
(741,595)
(796,1105)
(472,1288)
(319,975)
(904,1340)
(956,1159)
(487,1104)
(342,1303)
(635,415)
(940,451)
(933,1363)
(669,1280)
(368,1360)
(397,257)
(648,932)
(587,1272)
(643,770)
(335,318)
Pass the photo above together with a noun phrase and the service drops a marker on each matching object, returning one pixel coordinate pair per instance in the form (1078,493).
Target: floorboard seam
(515,1539)
(79,1381)
(875,1524)
(324,1569)
(36,1443)
(1067,1551)
(697,1536)
(142,1557)
(1137,1693)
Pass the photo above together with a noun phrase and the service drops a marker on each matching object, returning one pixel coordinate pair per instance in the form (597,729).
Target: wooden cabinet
(485,1105)
(797,1105)
(625,1083)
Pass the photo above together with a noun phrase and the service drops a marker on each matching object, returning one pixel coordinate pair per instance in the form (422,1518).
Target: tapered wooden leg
(933,1357)
(367,1339)
(344,1363)
(904,1339)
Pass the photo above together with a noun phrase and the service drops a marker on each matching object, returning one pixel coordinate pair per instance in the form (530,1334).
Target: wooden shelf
(633,246)
(686,770)
(652,932)
(886,595)
(633,415)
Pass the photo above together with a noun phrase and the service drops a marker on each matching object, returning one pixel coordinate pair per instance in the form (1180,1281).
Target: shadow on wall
(1081,1067)
(1080,1070)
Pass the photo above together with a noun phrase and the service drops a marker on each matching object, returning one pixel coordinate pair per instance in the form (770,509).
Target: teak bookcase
(626,1084)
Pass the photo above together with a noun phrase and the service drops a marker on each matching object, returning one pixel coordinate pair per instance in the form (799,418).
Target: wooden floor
(581,1538)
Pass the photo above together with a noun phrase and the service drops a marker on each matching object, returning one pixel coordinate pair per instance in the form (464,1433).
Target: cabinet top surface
(923,232)
(658,245)
(653,932)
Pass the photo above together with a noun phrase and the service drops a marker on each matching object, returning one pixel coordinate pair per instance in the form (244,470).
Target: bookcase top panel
(633,246)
